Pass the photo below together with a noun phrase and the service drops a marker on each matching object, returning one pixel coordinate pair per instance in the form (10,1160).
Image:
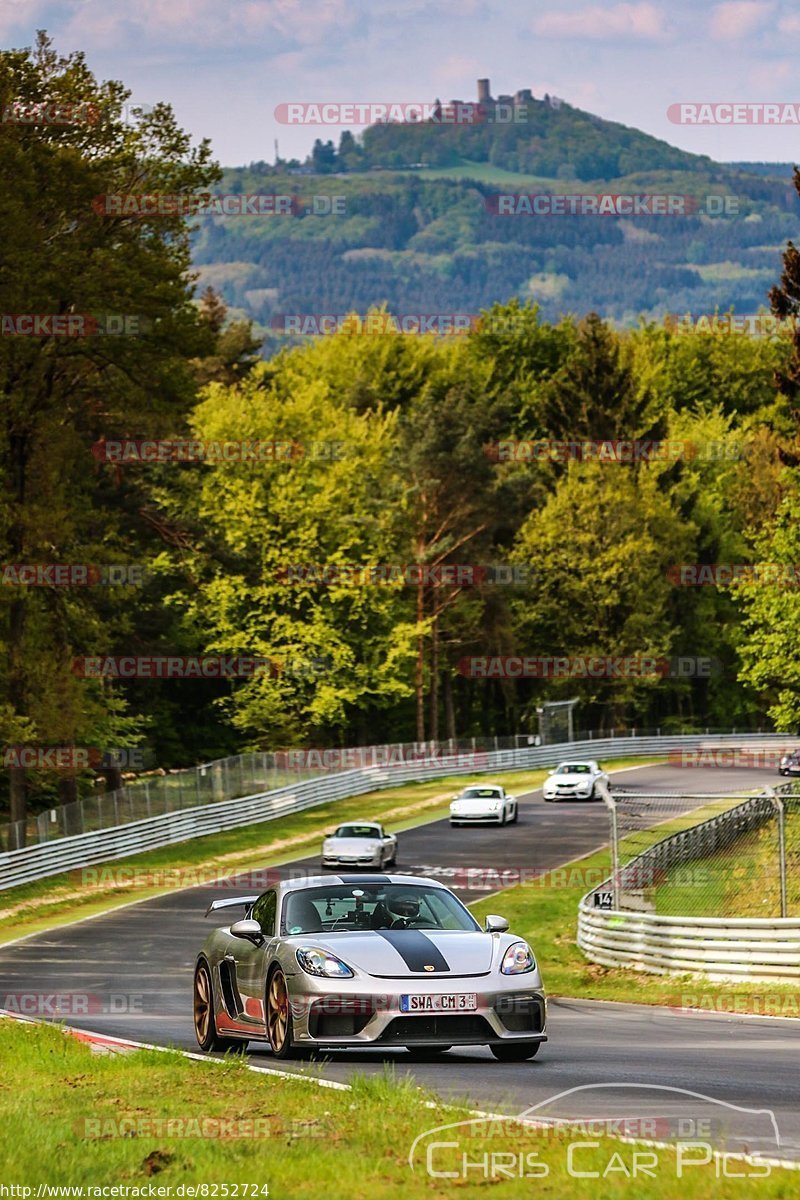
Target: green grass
(55,901)
(483,172)
(136,1121)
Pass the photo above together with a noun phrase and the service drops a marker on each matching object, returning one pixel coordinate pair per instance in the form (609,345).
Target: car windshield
(357,831)
(479,793)
(574,769)
(347,908)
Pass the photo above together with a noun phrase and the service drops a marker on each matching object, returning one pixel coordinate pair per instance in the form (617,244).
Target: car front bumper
(495,817)
(367,1012)
(335,860)
(567,794)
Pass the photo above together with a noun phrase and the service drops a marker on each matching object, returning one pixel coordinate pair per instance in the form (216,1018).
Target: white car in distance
(359,844)
(479,802)
(574,781)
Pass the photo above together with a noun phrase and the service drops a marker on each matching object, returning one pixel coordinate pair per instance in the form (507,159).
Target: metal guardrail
(735,949)
(105,845)
(719,948)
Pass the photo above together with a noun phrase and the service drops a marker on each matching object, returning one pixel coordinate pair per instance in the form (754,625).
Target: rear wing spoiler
(230,902)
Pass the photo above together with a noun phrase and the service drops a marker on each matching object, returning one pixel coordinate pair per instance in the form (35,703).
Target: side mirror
(249,930)
(493,924)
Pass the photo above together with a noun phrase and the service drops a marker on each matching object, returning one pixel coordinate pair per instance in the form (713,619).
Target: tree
(596,394)
(771,609)
(601,547)
(235,349)
(66,252)
(323,157)
(345,647)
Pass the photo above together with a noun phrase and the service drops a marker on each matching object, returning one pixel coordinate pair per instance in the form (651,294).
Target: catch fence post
(610,804)
(781,811)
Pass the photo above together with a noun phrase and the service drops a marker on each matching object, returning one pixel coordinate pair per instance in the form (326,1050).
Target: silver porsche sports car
(367,960)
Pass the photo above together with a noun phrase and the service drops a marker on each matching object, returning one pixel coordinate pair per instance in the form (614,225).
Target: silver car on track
(366,960)
(360,844)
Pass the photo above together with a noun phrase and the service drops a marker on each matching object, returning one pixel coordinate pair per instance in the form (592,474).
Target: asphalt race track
(136,967)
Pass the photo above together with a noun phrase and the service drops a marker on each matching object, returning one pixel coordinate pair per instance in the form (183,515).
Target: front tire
(279,1015)
(205,1025)
(516,1053)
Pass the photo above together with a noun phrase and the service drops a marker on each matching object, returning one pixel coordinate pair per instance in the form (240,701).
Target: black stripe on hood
(416,950)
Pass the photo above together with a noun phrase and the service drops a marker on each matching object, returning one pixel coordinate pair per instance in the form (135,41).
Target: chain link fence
(720,855)
(228,779)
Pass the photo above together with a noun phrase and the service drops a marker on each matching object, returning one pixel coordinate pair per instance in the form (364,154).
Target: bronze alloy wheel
(279,1018)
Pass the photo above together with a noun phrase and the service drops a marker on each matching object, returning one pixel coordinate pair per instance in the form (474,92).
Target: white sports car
(483,803)
(574,781)
(360,844)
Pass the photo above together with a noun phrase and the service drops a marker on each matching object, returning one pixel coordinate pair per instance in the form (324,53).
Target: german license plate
(462,1002)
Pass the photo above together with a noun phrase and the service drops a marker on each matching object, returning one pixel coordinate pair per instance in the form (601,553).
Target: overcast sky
(225,65)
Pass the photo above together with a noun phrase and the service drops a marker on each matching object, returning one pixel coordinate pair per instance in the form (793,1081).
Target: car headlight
(319,962)
(518,959)
(497,805)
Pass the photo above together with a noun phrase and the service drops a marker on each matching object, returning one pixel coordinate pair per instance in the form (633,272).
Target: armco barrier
(737,949)
(121,841)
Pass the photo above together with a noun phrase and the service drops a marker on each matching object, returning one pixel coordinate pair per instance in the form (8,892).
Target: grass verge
(48,903)
(153,1120)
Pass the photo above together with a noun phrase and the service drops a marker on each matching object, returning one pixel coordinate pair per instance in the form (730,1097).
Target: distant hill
(428,238)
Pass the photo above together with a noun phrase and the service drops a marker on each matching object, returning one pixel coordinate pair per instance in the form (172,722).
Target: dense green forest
(407,451)
(423,244)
